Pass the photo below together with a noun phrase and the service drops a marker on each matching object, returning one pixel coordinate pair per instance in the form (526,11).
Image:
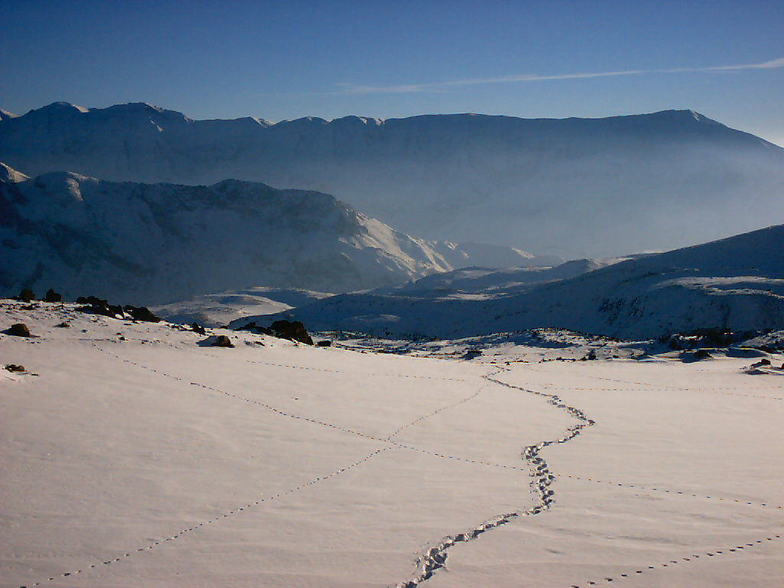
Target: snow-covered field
(135,457)
(217,310)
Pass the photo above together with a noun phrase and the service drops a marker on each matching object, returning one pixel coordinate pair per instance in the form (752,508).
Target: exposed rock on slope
(572,186)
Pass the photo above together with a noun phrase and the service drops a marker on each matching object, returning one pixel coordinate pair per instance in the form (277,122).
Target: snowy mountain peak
(356,121)
(734,283)
(59,107)
(144,109)
(9,174)
(462,177)
(155,243)
(684,116)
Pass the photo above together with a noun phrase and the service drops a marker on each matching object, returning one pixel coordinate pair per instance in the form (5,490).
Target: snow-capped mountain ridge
(147,244)
(735,283)
(460,177)
(134,108)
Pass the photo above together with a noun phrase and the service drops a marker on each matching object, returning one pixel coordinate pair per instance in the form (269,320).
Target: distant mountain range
(735,283)
(575,187)
(156,243)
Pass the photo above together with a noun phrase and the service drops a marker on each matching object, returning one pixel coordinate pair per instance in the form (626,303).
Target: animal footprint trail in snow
(680,560)
(674,492)
(542,478)
(224,515)
(261,499)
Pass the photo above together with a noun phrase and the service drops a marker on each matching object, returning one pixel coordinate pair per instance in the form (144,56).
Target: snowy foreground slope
(735,283)
(157,243)
(135,457)
(664,179)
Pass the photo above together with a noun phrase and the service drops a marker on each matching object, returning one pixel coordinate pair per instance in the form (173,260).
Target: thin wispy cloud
(522,78)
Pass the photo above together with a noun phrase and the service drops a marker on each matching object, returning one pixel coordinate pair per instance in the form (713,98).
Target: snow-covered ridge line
(733,284)
(157,243)
(457,177)
(148,108)
(542,478)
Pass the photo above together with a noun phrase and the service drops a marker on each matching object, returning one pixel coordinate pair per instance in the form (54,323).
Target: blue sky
(283,60)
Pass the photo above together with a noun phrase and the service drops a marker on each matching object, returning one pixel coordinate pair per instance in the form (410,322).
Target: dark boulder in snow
(697,355)
(745,352)
(52,296)
(291,330)
(26,295)
(91,300)
(282,329)
(142,313)
(254,328)
(19,330)
(216,341)
(100,306)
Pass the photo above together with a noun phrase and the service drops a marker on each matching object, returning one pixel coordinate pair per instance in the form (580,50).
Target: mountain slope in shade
(573,186)
(147,244)
(735,283)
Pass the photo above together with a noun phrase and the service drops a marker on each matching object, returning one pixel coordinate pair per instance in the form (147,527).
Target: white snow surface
(735,283)
(160,243)
(573,187)
(131,457)
(215,310)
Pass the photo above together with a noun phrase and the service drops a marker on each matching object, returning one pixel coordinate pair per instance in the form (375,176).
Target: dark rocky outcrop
(761,363)
(216,341)
(19,330)
(26,295)
(141,313)
(697,355)
(197,328)
(254,328)
(282,329)
(291,330)
(745,352)
(52,296)
(94,305)
(91,300)
(12,367)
